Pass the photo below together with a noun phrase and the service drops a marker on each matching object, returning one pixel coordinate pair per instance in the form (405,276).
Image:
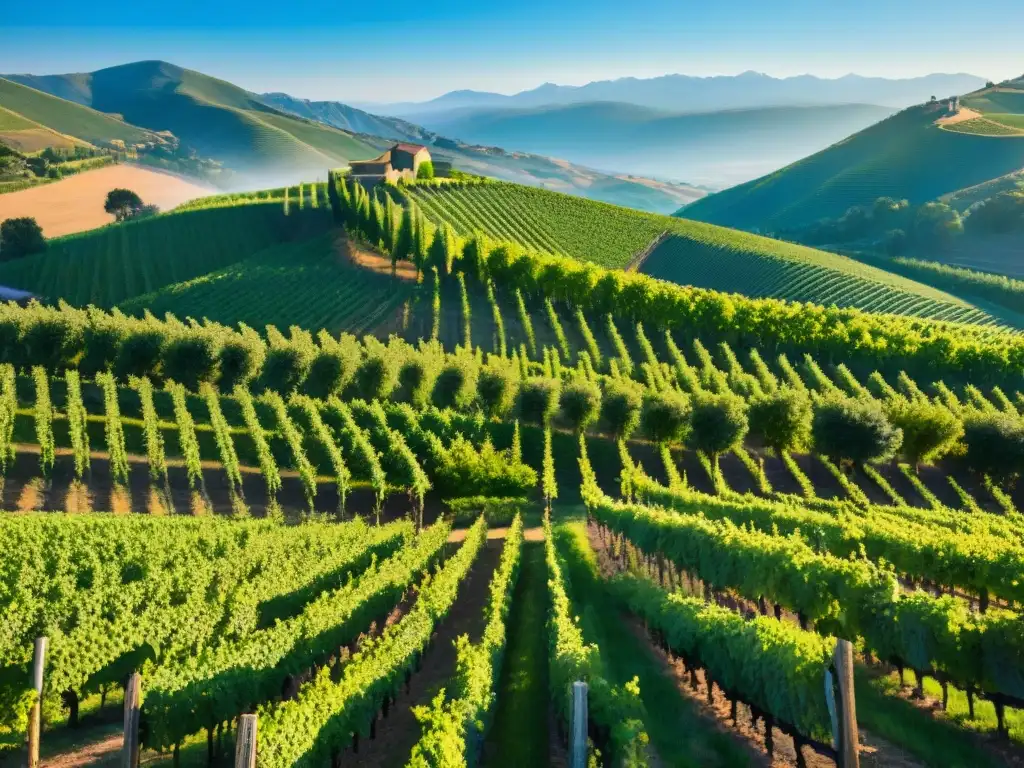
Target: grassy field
(695,253)
(905,157)
(67,117)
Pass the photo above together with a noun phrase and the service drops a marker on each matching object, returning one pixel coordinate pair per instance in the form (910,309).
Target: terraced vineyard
(698,580)
(818,277)
(990,125)
(110,265)
(693,254)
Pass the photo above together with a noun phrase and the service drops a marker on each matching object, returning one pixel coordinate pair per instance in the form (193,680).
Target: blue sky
(404,50)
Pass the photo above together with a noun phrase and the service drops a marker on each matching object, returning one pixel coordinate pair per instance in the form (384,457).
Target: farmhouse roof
(412,149)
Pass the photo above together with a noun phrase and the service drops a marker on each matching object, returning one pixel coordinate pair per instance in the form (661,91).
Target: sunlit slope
(217,119)
(906,157)
(691,252)
(67,117)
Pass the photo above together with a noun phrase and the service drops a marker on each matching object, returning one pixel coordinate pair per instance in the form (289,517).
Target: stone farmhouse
(402,161)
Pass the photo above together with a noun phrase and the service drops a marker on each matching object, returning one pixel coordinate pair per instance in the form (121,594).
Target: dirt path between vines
(399,732)
(361,256)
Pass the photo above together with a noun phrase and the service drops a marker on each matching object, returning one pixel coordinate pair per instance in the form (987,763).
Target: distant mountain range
(685,93)
(272,139)
(718,149)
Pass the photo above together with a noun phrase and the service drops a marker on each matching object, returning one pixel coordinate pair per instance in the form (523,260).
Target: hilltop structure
(402,161)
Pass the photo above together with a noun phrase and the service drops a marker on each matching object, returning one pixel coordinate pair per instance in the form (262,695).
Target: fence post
(245,742)
(849,739)
(578,747)
(35,716)
(132,708)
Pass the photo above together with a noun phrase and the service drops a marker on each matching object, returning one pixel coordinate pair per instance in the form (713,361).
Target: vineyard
(694,253)
(267,539)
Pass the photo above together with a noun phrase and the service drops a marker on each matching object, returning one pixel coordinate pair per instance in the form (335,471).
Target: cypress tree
(406,236)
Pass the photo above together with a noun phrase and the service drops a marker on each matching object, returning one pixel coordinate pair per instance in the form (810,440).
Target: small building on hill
(402,161)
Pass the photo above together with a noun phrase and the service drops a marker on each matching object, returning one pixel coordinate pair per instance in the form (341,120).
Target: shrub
(995,445)
(19,237)
(190,358)
(581,404)
(538,400)
(286,364)
(487,472)
(139,353)
(455,385)
(52,340)
(414,381)
(664,416)
(328,372)
(929,429)
(781,419)
(857,430)
(620,408)
(241,358)
(718,423)
(374,377)
(102,341)
(425,170)
(496,389)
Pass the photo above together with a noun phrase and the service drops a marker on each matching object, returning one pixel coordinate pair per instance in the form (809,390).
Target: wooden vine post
(245,742)
(35,716)
(132,710)
(578,745)
(849,756)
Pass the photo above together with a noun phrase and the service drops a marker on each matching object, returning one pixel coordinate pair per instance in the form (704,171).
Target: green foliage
(122,204)
(487,472)
(664,416)
(929,429)
(20,236)
(455,385)
(43,414)
(580,404)
(853,429)
(375,376)
(305,730)
(538,400)
(995,444)
(496,389)
(425,170)
(781,419)
(190,358)
(718,423)
(621,408)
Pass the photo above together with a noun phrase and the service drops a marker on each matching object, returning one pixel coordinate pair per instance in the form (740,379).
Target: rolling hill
(276,138)
(486,160)
(44,113)
(681,251)
(711,148)
(906,156)
(213,117)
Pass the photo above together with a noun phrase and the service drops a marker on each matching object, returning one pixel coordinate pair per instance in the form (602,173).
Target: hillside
(717,149)
(1000,110)
(46,113)
(905,157)
(693,253)
(215,118)
(489,160)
